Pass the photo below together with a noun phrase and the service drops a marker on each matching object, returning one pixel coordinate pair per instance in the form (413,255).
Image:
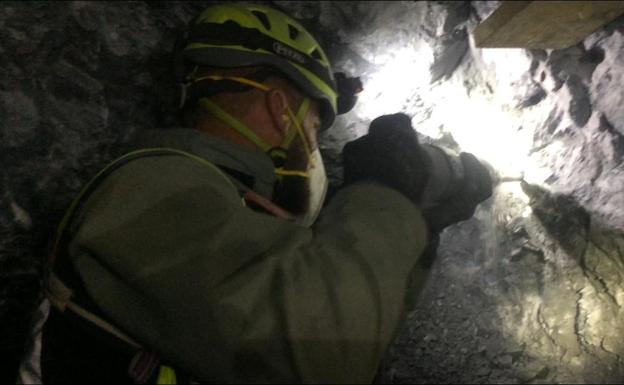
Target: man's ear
(277,102)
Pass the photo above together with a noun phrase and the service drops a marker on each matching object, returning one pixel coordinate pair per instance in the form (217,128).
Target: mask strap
(234,123)
(303,110)
(282,172)
(301,113)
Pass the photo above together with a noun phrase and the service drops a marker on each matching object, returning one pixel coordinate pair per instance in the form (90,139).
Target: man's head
(268,114)
(254,76)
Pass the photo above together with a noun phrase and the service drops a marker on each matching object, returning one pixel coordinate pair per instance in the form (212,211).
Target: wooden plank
(544,24)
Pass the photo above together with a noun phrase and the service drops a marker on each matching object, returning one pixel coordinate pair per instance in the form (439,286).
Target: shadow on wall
(526,294)
(580,309)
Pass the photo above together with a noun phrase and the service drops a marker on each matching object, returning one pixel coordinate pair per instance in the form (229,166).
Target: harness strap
(142,366)
(60,297)
(270,207)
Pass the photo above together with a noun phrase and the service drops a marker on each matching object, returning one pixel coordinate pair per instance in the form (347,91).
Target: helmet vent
(263,19)
(316,54)
(292,32)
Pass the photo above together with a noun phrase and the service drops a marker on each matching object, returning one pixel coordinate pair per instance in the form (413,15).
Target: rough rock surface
(530,290)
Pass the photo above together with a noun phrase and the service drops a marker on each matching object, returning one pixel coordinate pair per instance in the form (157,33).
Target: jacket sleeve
(169,252)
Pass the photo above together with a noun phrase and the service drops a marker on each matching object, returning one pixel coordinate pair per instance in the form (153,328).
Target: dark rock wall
(530,290)
(76,78)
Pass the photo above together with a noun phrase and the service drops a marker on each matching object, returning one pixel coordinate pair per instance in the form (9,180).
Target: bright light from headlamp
(487,125)
(403,72)
(480,127)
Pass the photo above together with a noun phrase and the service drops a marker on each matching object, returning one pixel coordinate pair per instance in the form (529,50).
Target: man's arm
(166,249)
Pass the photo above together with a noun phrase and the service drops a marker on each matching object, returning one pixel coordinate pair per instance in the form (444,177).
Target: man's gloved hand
(391,155)
(388,154)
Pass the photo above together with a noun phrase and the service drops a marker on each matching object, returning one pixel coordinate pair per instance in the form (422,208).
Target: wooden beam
(544,24)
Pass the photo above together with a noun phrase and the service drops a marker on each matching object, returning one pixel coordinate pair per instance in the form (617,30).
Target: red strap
(252,197)
(142,366)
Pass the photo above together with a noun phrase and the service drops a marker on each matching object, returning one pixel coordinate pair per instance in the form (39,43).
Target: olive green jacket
(169,251)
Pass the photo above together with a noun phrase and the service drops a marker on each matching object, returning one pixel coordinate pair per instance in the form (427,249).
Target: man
(199,254)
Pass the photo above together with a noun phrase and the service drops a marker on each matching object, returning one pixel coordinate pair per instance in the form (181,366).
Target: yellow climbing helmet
(241,35)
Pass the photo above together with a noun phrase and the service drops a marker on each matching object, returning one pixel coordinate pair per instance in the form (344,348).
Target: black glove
(388,154)
(391,155)
(474,188)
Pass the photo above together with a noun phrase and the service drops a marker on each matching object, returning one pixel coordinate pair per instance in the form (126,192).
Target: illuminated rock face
(530,290)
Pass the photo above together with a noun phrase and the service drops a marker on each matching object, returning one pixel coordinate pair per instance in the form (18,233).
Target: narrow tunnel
(530,290)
